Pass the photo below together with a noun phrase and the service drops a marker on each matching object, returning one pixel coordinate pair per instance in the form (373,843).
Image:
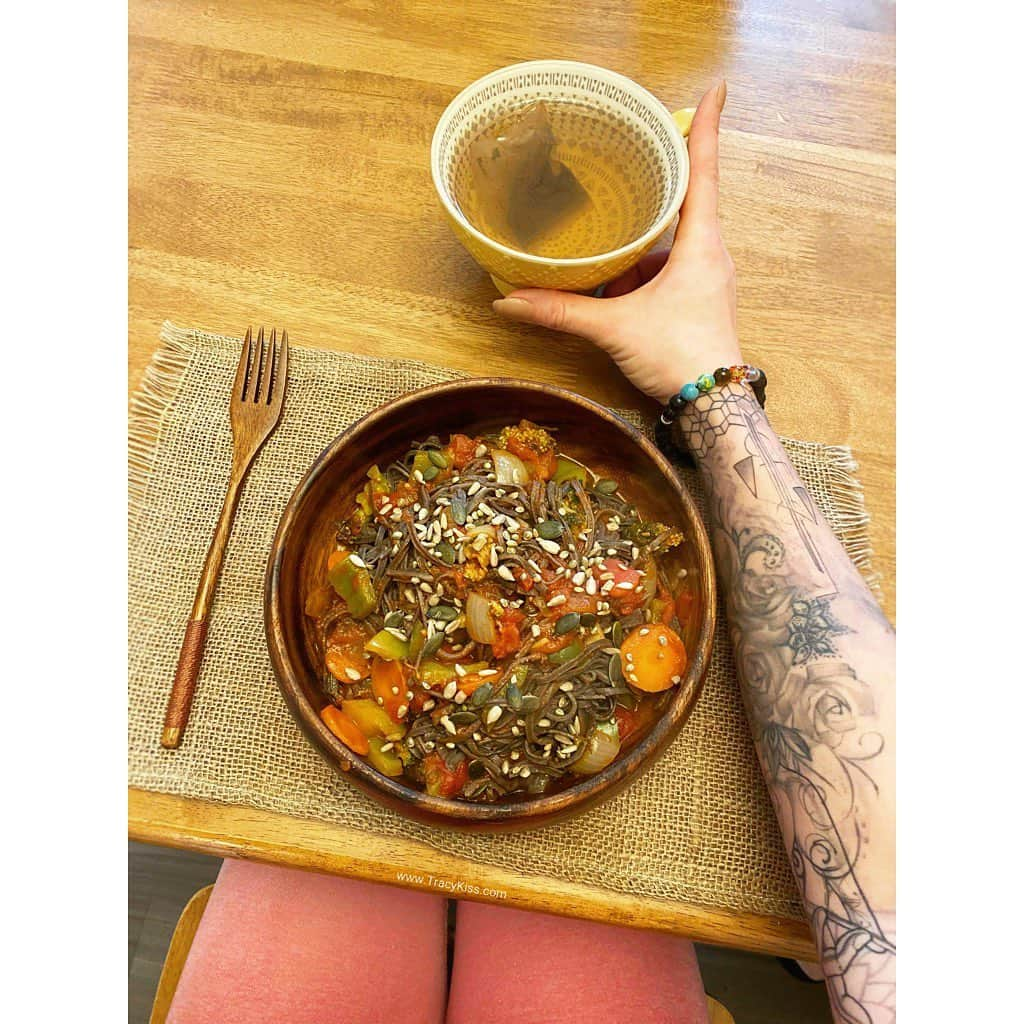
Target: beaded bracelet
(743,374)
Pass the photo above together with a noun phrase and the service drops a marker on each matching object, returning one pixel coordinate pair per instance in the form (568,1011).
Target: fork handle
(180,702)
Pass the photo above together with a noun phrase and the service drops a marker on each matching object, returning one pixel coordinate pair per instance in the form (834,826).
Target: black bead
(722,375)
(677,403)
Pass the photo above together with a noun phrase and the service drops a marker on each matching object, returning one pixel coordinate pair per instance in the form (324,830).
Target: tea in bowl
(557,174)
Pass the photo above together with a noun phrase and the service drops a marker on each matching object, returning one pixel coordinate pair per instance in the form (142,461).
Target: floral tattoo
(813,717)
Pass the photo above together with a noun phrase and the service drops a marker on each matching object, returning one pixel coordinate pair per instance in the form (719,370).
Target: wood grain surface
(278,172)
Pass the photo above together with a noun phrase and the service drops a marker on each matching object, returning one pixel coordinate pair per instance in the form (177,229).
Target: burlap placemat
(697,827)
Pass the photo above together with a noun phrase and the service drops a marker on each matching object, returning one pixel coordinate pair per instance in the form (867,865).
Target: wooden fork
(256,402)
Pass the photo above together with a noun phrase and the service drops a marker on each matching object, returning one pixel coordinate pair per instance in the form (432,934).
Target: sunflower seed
(449,690)
(357,561)
(557,600)
(352,674)
(493,714)
(448,724)
(548,545)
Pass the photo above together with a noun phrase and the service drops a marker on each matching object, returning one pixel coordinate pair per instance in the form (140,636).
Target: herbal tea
(560,180)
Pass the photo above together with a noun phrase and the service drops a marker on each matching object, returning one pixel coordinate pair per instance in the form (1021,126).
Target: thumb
(561,311)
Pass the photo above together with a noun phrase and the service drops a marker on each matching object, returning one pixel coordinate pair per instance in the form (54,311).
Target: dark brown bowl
(588,432)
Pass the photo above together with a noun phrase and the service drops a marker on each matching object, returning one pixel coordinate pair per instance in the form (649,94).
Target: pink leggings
(278,946)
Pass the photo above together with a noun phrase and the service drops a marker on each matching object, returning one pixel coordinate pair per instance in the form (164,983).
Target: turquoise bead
(689,391)
(705,382)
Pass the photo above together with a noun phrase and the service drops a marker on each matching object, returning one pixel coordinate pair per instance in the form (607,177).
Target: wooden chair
(185,931)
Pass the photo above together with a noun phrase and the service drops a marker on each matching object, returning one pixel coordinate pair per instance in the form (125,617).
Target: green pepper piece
(387,762)
(372,718)
(568,469)
(437,674)
(353,583)
(387,646)
(566,654)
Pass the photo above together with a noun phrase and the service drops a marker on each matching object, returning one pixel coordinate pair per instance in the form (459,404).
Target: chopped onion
(509,468)
(601,749)
(478,618)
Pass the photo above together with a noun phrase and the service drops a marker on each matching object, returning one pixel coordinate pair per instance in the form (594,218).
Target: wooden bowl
(586,431)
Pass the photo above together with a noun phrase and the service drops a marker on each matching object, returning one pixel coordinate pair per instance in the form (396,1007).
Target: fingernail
(514,309)
(720,95)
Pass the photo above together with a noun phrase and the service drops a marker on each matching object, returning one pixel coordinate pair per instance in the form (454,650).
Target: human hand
(671,317)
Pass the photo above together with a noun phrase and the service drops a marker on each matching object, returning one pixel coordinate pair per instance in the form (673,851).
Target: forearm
(816,662)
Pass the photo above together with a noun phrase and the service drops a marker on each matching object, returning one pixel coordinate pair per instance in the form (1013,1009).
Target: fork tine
(242,373)
(280,373)
(267,380)
(258,376)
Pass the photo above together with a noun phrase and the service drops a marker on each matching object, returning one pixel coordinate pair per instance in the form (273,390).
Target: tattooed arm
(815,654)
(816,661)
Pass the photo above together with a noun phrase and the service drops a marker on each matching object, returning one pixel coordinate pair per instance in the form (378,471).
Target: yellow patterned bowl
(628,106)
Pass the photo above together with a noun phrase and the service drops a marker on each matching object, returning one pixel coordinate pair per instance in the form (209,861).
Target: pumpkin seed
(530,702)
(430,472)
(432,644)
(567,623)
(477,770)
(437,458)
(481,695)
(549,529)
(461,718)
(617,634)
(442,612)
(588,619)
(458,507)
(615,667)
(514,696)
(394,620)
(606,486)
(446,552)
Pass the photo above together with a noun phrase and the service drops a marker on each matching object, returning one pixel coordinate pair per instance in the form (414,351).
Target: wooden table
(279,173)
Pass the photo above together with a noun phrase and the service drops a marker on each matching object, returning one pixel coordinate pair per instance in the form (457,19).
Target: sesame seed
(662,640)
(644,631)
(380,700)
(429,705)
(494,557)
(450,746)
(569,749)
(563,554)
(396,515)
(524,772)
(544,722)
(515,730)
(485,672)
(352,674)
(566,687)
(514,755)
(557,600)
(477,737)
(357,561)
(408,694)
(418,476)
(481,451)
(613,551)
(473,488)
(535,629)
(385,509)
(460,671)
(394,691)
(385,747)
(676,679)
(624,585)
(403,710)
(504,767)
(636,553)
(395,632)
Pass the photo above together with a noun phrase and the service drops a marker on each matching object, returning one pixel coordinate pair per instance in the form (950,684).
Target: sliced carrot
(345,729)
(342,663)
(653,657)
(390,686)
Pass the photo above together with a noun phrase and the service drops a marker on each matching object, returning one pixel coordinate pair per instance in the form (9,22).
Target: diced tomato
(574,600)
(507,638)
(390,687)
(346,665)
(462,450)
(628,721)
(442,782)
(405,493)
(624,599)
(540,464)
(684,606)
(524,581)
(665,603)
